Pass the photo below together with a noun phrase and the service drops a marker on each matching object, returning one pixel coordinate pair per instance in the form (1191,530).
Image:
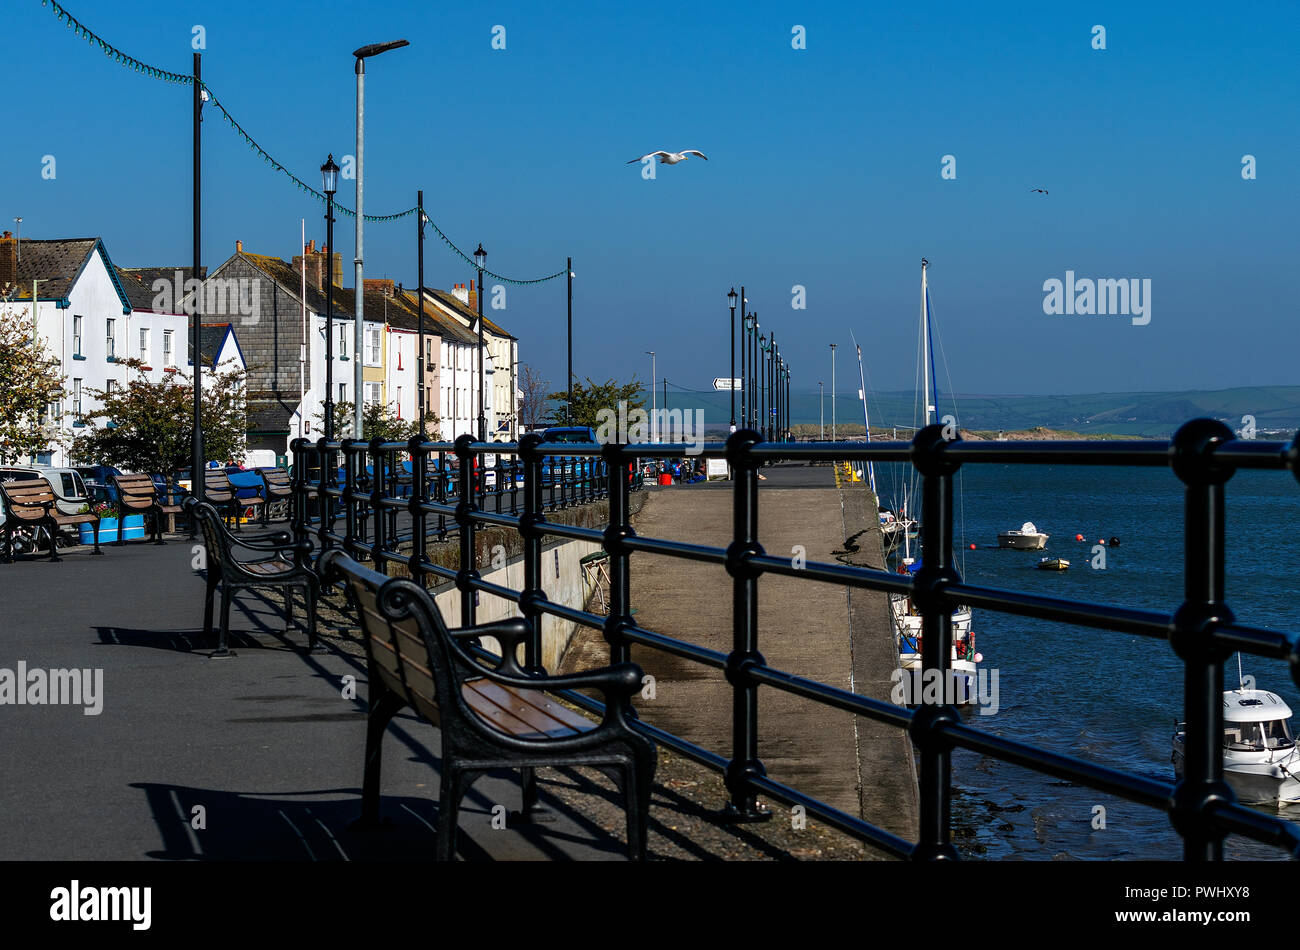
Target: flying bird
(671,158)
(1043,190)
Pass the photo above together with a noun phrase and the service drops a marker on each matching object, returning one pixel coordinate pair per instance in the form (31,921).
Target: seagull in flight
(1042,190)
(671,158)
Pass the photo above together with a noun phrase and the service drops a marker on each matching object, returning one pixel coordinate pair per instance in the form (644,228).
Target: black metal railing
(1202,630)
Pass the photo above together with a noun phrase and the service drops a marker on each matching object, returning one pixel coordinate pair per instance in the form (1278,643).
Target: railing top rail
(1238,453)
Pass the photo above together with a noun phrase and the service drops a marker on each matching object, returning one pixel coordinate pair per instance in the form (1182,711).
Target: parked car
(580,468)
(97,482)
(70,491)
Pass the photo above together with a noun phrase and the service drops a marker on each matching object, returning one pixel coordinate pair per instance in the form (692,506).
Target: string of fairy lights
(130,62)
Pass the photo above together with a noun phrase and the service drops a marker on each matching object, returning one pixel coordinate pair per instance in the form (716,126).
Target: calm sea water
(1109,697)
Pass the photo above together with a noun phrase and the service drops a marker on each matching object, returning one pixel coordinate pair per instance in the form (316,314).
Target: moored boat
(1053,564)
(1027,538)
(1260,758)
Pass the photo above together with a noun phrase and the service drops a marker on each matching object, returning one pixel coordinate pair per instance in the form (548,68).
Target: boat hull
(1022,542)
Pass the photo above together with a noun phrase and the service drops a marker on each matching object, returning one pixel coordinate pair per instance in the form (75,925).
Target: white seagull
(671,158)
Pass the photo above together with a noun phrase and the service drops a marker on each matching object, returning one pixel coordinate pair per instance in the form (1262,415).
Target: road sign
(726,385)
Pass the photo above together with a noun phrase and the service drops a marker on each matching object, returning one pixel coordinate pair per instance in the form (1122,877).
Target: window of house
(374,340)
(110,338)
(76,396)
(167,348)
(373,393)
(343,341)
(144,345)
(76,336)
(343,392)
(111,387)
(399,402)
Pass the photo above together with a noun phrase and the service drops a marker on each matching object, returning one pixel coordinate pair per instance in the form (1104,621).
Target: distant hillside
(1276,410)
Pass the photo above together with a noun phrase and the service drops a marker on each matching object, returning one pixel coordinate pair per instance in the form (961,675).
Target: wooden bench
(491,715)
(276,488)
(279,568)
(137,494)
(32,504)
(223,496)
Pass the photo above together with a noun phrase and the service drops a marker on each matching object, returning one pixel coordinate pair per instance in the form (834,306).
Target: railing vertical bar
(464,509)
(745,763)
(620,584)
(419,558)
(532,594)
(378,488)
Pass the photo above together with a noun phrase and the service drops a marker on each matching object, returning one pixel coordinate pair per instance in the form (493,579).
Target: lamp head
(480,257)
(329,176)
(731,298)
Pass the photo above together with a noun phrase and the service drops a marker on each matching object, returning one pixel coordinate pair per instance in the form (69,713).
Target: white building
(91,315)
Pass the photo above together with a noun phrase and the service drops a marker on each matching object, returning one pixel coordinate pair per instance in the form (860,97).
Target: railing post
(443,480)
(326,501)
(464,510)
(531,596)
(349,495)
(937,571)
(1191,454)
(617,533)
(745,763)
(298,481)
(417,563)
(377,491)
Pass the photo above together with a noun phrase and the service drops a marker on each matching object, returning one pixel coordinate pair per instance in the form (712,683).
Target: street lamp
(329,176)
(832,392)
(422,219)
(358,370)
(731,380)
(821,406)
(753,370)
(654,398)
(762,383)
(480,261)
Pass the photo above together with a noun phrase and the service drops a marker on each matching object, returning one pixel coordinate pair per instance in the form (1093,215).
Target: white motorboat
(964,659)
(1260,759)
(1028,538)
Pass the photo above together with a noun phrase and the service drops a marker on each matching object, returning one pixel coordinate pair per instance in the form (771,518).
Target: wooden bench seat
(503,716)
(33,504)
(276,487)
(137,494)
(224,497)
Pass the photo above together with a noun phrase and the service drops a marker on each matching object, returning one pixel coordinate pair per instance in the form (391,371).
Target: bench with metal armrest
(33,505)
(137,494)
(492,713)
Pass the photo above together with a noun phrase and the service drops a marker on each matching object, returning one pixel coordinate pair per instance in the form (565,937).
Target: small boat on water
(1053,564)
(1260,759)
(964,661)
(1027,538)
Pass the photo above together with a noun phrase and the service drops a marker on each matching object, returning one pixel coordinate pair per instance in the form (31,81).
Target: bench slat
(533,708)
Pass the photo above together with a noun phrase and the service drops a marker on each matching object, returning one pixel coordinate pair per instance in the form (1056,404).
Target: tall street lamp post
(358,349)
(196,447)
(480,260)
(654,398)
(329,175)
(568,405)
(731,380)
(762,384)
(832,392)
(753,370)
(419,353)
(821,407)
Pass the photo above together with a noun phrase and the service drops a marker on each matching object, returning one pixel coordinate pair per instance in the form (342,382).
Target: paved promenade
(810,628)
(266,743)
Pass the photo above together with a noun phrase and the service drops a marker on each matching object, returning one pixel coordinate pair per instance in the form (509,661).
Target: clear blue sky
(824,170)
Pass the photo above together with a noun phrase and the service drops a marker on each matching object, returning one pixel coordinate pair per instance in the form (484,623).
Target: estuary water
(1108,697)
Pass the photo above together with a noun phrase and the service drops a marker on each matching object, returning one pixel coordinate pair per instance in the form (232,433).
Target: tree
(148,425)
(589,400)
(532,406)
(30,380)
(378,421)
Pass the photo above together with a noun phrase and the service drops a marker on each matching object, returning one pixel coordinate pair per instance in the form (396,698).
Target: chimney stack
(8,260)
(471,299)
(460,293)
(239,247)
(316,263)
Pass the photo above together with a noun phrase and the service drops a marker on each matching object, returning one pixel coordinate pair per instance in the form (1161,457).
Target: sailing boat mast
(866,419)
(925,344)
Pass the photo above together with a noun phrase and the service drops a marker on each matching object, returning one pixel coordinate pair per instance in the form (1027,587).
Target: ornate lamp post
(329,174)
(731,380)
(480,260)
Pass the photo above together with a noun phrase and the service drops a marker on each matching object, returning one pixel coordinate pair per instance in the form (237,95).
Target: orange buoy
(972,547)
(1078,537)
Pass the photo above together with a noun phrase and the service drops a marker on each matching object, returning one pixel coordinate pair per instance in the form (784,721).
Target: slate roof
(56,263)
(211,336)
(138,283)
(283,273)
(471,314)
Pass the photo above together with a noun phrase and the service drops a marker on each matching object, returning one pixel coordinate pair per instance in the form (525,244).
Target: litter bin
(665,478)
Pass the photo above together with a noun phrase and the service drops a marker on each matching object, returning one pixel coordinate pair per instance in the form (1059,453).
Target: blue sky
(824,170)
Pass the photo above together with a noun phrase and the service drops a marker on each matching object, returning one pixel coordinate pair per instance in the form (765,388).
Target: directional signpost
(722,384)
